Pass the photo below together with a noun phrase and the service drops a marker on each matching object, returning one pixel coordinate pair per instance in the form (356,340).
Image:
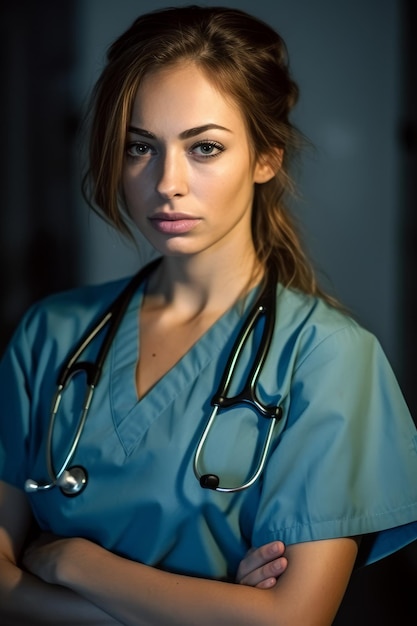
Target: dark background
(43,238)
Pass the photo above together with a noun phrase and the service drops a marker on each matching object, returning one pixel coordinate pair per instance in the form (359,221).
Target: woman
(191,141)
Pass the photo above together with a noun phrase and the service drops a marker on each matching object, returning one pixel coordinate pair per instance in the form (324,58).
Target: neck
(195,285)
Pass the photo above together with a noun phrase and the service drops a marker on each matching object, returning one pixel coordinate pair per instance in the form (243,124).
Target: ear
(267,165)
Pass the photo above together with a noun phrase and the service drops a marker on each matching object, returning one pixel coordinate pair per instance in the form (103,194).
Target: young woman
(142,524)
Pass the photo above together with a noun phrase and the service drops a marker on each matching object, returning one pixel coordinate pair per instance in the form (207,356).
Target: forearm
(26,600)
(136,594)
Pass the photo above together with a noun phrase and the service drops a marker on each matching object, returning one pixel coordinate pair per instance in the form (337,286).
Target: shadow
(382,593)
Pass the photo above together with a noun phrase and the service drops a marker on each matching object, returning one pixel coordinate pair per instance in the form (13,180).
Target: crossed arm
(73,581)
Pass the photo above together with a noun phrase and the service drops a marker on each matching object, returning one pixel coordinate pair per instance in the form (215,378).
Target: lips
(173,223)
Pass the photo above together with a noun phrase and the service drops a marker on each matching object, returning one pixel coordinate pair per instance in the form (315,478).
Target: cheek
(231,181)
(236,185)
(134,190)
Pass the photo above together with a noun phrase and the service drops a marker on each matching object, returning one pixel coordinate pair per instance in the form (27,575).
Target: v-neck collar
(122,374)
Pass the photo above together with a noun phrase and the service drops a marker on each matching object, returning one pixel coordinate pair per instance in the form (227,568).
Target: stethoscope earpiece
(209,481)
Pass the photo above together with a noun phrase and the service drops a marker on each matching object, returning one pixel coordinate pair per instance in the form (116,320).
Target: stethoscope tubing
(72,480)
(113,315)
(264,307)
(212,481)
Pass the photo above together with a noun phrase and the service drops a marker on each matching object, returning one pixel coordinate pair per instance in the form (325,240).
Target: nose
(173,178)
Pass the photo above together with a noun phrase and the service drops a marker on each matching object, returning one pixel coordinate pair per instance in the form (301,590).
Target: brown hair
(247,60)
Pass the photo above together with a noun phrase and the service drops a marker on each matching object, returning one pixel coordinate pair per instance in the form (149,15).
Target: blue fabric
(343,461)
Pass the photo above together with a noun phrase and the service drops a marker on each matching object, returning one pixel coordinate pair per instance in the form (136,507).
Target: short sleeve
(15,405)
(346,463)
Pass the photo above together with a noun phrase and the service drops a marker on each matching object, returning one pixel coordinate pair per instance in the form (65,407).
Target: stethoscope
(72,480)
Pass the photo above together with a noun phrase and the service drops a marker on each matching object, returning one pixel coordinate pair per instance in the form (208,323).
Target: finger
(269,583)
(266,576)
(258,557)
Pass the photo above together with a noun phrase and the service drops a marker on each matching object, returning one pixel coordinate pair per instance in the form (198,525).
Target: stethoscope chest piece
(73,481)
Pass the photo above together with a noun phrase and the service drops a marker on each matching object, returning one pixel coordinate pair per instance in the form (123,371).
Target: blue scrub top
(343,460)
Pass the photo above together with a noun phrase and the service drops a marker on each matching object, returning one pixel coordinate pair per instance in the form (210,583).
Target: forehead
(186,94)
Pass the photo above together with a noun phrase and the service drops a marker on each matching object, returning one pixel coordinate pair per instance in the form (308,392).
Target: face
(188,174)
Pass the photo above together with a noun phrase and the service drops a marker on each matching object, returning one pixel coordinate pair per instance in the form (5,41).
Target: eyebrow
(186,134)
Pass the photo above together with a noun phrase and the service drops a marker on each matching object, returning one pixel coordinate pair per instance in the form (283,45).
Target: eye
(137,149)
(207,149)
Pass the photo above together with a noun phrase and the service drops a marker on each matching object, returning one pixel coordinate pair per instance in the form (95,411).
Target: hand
(262,566)
(45,556)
